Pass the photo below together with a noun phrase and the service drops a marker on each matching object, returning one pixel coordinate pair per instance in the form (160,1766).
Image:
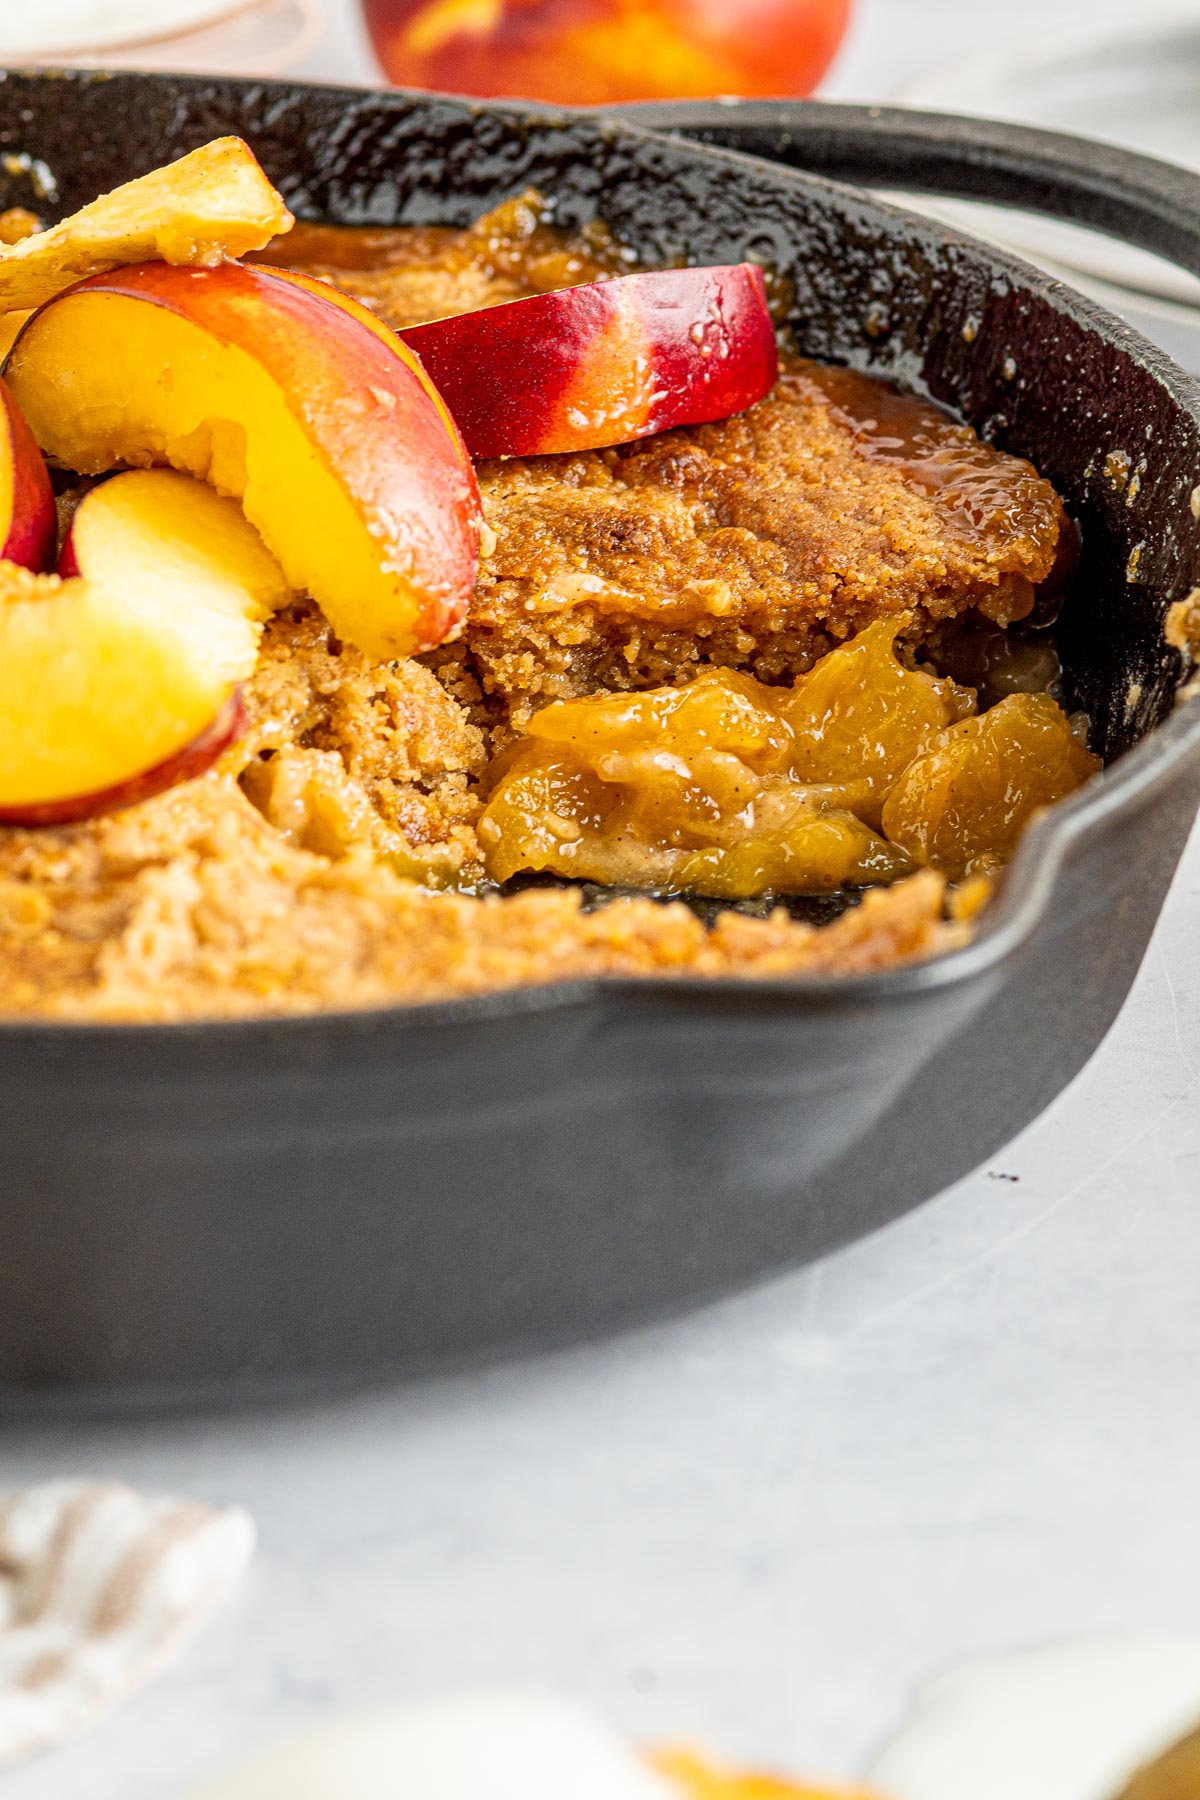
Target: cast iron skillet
(231,1208)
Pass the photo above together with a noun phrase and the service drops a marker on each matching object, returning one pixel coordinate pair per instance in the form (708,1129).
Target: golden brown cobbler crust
(283,880)
(758,543)
(193,905)
(341,753)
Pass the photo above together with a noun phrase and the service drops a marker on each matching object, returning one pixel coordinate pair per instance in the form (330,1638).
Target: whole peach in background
(600,52)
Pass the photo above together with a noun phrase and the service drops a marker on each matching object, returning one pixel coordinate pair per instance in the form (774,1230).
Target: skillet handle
(1153,205)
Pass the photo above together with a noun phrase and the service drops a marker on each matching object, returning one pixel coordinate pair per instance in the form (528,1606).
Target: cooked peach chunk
(963,804)
(677,789)
(209,207)
(861,772)
(586,367)
(27,518)
(859,716)
(325,432)
(115,669)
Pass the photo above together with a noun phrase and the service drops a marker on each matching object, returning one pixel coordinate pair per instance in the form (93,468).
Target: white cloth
(99,1586)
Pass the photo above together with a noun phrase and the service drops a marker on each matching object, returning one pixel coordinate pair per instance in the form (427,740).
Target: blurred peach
(599,52)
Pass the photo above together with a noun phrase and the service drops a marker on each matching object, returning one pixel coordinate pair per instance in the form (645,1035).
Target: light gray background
(758,1525)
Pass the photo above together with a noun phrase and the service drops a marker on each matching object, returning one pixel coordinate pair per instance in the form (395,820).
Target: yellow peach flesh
(11,326)
(107,673)
(195,545)
(213,413)
(98,685)
(324,290)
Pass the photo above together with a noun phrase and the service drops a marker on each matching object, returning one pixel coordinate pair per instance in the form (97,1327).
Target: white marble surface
(760,1524)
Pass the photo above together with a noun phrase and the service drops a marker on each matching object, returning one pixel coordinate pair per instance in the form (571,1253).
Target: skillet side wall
(239,1215)
(247,1207)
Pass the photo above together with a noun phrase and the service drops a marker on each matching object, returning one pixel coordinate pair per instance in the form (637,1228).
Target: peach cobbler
(396,615)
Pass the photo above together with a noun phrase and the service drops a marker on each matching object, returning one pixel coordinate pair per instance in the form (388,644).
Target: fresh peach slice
(585,367)
(207,208)
(324,290)
(324,429)
(28,524)
(115,679)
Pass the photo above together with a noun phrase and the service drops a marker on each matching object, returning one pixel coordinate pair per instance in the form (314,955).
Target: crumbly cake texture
(192,904)
(301,873)
(344,754)
(759,543)
(290,878)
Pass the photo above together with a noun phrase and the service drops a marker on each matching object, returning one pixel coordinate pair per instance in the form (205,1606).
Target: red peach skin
(324,290)
(28,525)
(587,367)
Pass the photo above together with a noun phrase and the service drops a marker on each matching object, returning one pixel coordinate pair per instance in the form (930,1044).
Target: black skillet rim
(1025,894)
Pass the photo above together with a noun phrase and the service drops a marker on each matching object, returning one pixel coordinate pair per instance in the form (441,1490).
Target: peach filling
(862,772)
(961,805)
